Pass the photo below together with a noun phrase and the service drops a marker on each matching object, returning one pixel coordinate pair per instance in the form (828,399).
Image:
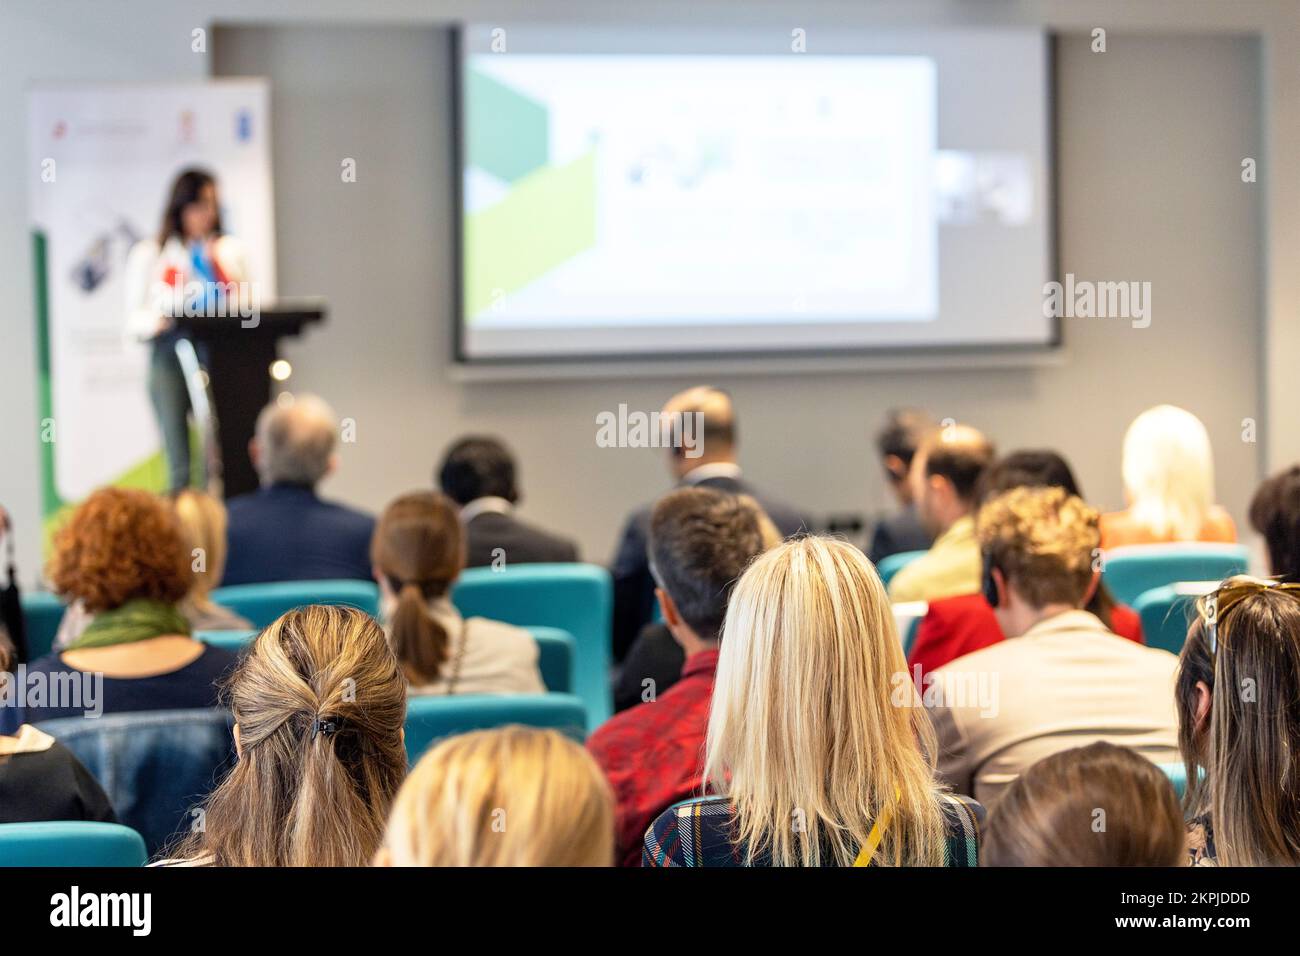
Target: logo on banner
(243,126)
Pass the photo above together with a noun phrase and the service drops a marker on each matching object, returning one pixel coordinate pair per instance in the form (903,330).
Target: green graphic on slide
(548,217)
(548,212)
(509,133)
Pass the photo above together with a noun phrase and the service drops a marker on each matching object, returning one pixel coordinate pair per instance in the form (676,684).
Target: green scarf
(137,620)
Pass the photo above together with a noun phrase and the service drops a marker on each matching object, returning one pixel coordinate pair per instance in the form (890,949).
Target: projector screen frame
(566,365)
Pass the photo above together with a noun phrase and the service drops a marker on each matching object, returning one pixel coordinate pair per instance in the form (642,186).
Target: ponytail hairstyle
(319,704)
(419,549)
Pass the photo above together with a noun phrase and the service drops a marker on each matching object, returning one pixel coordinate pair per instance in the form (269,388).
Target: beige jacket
(1066,682)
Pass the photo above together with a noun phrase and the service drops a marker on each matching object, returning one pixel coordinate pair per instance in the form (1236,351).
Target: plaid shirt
(653,754)
(699,832)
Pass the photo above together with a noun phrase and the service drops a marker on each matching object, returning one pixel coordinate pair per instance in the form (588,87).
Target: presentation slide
(643,202)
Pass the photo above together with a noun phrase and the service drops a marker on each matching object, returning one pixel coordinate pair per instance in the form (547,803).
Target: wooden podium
(237,356)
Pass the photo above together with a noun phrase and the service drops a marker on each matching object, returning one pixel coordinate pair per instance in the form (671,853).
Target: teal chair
(576,597)
(556,652)
(1177,775)
(1131,571)
(234,641)
(891,565)
(42,612)
(1167,611)
(429,718)
(70,844)
(263,603)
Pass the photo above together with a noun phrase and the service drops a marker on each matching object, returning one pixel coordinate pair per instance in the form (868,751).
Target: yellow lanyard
(877,833)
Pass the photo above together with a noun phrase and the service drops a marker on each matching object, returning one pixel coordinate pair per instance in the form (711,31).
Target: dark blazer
(896,533)
(634,589)
(520,542)
(654,655)
(287,533)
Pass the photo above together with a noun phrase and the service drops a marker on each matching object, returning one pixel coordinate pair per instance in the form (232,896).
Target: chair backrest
(233,641)
(42,612)
(1177,775)
(430,718)
(263,603)
(74,843)
(155,766)
(576,597)
(1130,571)
(1167,611)
(556,652)
(892,564)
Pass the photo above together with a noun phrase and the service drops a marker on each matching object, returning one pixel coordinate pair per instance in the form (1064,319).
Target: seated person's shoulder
(708,820)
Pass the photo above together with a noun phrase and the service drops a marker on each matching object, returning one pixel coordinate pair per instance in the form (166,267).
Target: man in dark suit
(478,473)
(710,464)
(897,442)
(284,531)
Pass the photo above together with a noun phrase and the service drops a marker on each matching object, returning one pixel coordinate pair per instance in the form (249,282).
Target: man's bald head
(717,440)
(294,443)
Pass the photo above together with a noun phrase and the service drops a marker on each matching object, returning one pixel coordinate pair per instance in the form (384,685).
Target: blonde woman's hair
(1168,472)
(203,526)
(816,731)
(319,702)
(515,796)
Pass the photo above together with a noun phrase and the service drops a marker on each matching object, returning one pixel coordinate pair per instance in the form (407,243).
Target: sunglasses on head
(1214,607)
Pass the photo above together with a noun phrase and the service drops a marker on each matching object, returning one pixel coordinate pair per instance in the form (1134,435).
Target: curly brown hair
(120,544)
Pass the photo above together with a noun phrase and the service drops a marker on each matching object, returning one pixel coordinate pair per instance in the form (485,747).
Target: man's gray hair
(295,441)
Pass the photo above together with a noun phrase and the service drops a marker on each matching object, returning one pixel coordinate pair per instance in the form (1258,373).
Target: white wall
(1151,137)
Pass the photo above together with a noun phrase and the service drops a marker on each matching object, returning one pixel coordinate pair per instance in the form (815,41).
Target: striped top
(699,832)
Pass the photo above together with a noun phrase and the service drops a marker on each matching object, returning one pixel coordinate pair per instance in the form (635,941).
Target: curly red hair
(120,544)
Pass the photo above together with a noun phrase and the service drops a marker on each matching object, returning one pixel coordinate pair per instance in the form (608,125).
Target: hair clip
(327,726)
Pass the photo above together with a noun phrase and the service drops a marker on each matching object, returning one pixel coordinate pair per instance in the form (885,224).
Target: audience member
(1239,722)
(711,462)
(319,702)
(944,475)
(818,755)
(1275,514)
(701,540)
(1168,484)
(654,661)
(1061,679)
(1099,805)
(479,474)
(284,531)
(122,556)
(897,442)
(40,779)
(517,796)
(956,626)
(418,552)
(203,524)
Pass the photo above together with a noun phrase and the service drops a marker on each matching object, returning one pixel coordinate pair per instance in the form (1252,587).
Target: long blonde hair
(203,525)
(515,796)
(810,736)
(319,703)
(1168,472)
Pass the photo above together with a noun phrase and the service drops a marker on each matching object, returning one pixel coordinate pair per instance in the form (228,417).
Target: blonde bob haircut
(809,737)
(514,796)
(1168,472)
